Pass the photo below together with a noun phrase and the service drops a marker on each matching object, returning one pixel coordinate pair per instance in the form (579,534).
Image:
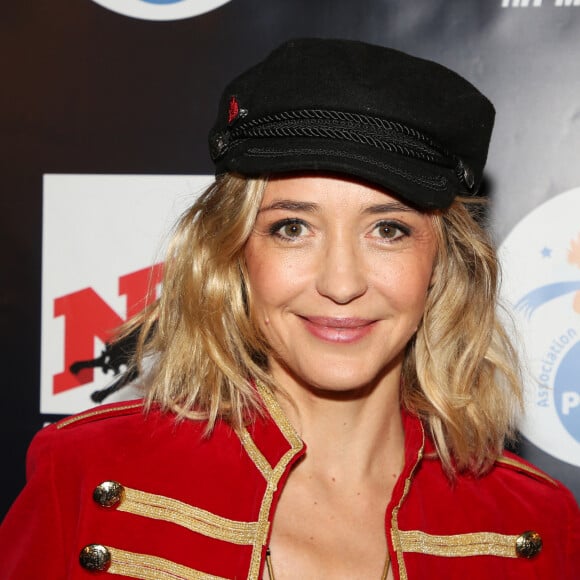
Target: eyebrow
(291,206)
(388,207)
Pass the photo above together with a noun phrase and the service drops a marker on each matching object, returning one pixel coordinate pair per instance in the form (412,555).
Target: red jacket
(193,507)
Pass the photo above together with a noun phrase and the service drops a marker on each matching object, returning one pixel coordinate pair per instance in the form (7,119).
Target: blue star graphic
(546,252)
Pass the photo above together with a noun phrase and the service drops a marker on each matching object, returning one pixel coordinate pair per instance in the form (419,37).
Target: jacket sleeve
(573,539)
(31,534)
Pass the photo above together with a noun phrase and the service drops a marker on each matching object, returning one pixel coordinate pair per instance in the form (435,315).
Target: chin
(333,378)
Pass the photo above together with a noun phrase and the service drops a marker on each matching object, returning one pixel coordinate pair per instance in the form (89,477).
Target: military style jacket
(115,492)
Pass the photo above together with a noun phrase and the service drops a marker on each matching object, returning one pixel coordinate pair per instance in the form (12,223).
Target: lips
(338,330)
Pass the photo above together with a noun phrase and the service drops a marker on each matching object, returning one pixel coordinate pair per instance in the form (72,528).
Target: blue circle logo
(567,391)
(161,9)
(541,280)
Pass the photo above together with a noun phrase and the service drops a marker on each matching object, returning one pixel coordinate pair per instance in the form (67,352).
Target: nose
(341,273)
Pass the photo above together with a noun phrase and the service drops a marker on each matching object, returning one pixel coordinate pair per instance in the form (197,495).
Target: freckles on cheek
(406,285)
(263,285)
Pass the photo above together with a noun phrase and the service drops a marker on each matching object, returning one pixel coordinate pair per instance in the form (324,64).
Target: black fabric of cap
(405,124)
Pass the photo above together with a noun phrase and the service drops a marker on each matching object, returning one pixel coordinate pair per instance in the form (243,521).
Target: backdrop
(104,110)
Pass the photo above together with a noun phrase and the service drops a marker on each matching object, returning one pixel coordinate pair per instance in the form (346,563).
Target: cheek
(406,284)
(270,278)
(276,275)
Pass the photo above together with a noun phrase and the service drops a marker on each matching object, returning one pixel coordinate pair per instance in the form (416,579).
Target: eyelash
(405,230)
(274,229)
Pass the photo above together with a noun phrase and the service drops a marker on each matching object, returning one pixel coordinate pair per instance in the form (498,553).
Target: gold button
(528,544)
(95,558)
(109,494)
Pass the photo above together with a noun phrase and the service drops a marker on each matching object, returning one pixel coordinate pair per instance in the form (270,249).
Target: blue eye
(288,229)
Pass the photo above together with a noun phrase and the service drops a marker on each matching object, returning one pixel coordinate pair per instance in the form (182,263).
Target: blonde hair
(199,335)
(460,371)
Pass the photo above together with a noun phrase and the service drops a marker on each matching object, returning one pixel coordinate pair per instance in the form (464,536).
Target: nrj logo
(88,317)
(161,9)
(101,233)
(541,270)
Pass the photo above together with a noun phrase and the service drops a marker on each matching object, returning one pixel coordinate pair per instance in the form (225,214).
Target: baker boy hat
(405,124)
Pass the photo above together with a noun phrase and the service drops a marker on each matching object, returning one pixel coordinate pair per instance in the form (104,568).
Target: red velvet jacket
(192,507)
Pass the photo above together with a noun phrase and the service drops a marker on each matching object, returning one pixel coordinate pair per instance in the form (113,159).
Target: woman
(330,387)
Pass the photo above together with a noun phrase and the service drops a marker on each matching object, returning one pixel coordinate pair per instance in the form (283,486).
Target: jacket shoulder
(513,462)
(101,413)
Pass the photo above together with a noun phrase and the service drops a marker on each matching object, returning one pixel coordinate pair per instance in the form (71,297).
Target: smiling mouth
(338,330)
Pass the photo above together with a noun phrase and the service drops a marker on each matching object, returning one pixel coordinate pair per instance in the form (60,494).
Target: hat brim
(419,183)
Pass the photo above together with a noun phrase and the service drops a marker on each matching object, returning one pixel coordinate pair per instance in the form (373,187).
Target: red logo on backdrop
(87,316)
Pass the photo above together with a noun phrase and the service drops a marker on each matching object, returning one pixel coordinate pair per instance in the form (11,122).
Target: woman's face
(338,276)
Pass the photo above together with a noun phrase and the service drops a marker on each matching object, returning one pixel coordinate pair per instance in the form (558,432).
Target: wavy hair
(460,370)
(198,341)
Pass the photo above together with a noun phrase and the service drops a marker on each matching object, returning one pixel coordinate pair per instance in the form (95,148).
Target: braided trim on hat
(357,118)
(375,132)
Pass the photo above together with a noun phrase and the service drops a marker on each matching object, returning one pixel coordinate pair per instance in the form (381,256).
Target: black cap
(405,124)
